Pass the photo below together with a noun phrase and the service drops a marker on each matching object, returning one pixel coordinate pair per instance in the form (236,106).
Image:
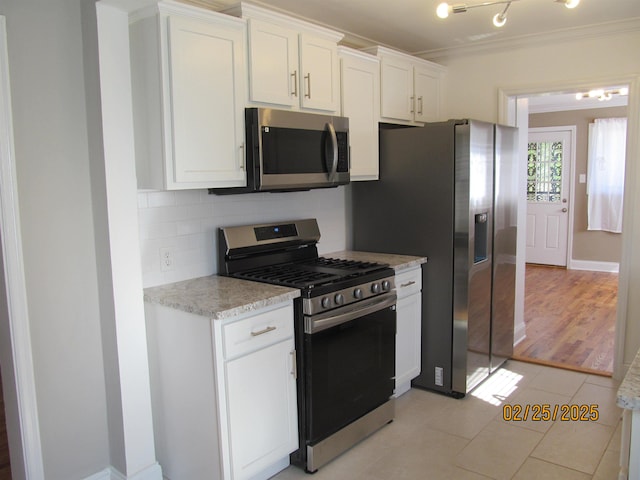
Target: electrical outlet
(167,263)
(439,376)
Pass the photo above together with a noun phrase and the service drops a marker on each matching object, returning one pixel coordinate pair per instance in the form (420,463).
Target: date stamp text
(542,412)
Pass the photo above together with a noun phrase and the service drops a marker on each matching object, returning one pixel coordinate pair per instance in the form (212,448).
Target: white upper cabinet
(292,64)
(426,90)
(360,86)
(188,78)
(273,56)
(410,87)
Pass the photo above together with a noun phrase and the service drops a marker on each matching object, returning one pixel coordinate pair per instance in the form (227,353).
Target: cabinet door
(409,327)
(396,84)
(204,124)
(263,424)
(427,92)
(320,75)
(273,64)
(361,103)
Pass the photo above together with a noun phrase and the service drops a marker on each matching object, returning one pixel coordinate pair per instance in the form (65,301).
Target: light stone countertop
(218,297)
(397,262)
(629,390)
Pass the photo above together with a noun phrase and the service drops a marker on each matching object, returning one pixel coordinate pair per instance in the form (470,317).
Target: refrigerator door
(473,249)
(504,244)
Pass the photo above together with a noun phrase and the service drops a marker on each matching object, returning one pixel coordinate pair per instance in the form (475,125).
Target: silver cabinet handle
(412,104)
(308,79)
(564,210)
(241,159)
(294,364)
(407,284)
(295,83)
(420,105)
(262,332)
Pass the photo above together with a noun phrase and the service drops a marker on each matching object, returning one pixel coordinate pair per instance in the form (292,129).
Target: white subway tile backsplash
(187,222)
(142,200)
(161,199)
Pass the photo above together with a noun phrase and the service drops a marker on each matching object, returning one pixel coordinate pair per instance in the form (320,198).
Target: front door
(548,164)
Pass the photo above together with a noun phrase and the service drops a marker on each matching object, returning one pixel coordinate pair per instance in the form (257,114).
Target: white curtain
(605,184)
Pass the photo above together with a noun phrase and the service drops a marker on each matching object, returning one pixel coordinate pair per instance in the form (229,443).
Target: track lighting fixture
(602,94)
(499,19)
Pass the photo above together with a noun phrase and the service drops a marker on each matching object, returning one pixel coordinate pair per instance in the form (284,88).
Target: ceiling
(412,25)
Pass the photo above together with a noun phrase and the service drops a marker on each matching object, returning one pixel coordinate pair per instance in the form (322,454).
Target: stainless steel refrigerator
(447,191)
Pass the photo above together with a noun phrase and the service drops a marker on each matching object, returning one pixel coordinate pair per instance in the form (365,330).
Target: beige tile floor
(437,437)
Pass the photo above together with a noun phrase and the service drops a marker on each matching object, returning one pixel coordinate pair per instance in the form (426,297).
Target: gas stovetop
(311,273)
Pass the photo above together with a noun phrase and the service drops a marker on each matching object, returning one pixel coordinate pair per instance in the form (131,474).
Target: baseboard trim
(152,472)
(608,267)
(564,366)
(519,334)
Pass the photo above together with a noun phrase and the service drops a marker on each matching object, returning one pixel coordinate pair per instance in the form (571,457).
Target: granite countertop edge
(629,390)
(218,297)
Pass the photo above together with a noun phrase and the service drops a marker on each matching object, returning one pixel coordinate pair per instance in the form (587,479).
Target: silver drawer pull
(261,332)
(407,284)
(294,364)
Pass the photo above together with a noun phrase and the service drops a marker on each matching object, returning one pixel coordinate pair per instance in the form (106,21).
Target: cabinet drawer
(257,332)
(408,282)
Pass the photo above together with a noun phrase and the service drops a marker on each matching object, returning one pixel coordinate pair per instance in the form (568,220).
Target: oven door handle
(317,323)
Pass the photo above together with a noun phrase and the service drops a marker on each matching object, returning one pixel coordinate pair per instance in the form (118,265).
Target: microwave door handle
(334,152)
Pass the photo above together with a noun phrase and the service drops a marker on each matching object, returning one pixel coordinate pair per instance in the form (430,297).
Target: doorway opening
(569,312)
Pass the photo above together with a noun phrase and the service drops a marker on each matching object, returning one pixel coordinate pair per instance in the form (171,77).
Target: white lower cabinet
(223,393)
(260,383)
(409,328)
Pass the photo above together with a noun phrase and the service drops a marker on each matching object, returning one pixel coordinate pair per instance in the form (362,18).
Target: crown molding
(591,31)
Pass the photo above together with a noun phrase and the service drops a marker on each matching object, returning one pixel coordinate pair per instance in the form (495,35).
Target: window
(605,184)
(544,172)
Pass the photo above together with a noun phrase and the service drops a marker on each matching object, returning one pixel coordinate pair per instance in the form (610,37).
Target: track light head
(499,19)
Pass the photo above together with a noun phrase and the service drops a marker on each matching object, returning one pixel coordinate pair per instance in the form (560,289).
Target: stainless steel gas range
(345,326)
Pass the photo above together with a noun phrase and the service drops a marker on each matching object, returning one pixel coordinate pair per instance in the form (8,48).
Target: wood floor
(5,467)
(570,319)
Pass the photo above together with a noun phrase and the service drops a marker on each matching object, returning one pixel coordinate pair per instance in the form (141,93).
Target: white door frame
(15,348)
(572,181)
(508,114)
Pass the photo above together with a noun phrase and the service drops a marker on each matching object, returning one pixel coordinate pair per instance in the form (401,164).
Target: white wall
(51,149)
(472,90)
(187,222)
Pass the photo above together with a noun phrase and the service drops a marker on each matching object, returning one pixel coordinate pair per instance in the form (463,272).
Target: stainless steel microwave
(294,151)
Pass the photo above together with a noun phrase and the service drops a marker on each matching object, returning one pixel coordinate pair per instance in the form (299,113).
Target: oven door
(349,364)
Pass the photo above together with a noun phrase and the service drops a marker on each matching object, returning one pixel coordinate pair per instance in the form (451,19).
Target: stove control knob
(375,288)
(386,285)
(339,299)
(326,302)
(357,293)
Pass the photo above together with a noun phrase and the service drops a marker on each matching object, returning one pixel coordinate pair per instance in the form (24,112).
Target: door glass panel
(544,172)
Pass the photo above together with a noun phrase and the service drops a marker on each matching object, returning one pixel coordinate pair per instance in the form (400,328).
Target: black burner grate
(290,275)
(351,265)
(318,271)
